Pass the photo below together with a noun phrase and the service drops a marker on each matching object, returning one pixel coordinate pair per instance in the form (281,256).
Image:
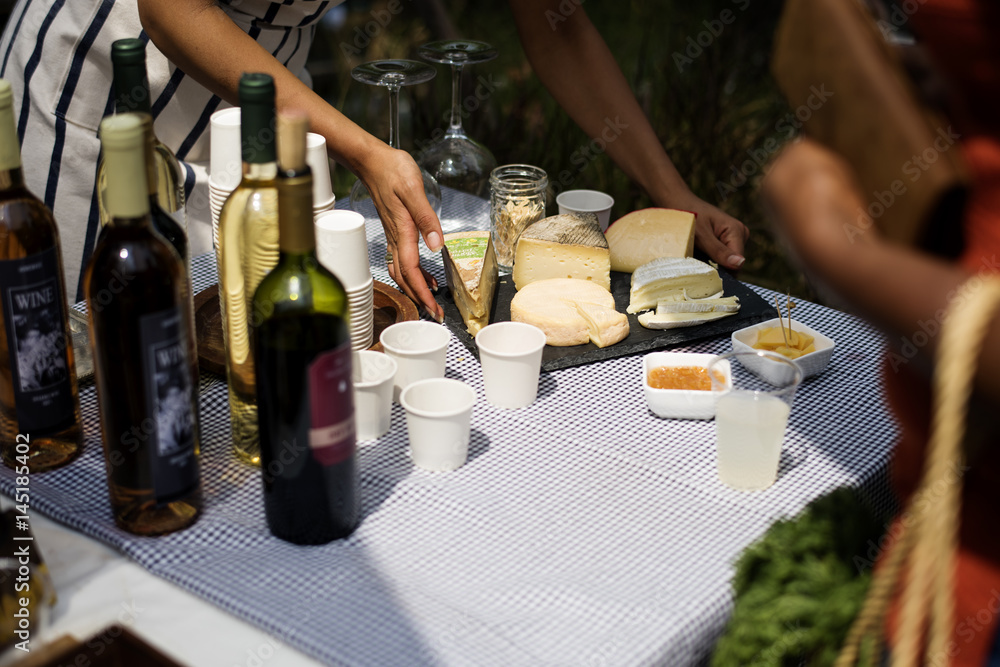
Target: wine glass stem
(394,116)
(455,126)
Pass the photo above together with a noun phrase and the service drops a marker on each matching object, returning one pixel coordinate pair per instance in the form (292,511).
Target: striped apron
(60,51)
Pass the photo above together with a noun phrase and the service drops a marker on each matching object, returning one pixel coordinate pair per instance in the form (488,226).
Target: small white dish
(681,403)
(811,364)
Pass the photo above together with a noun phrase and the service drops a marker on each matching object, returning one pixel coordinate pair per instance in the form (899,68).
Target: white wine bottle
(141,338)
(128,62)
(304,389)
(246,251)
(39,405)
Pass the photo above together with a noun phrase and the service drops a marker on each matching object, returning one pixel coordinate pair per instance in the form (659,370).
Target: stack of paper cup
(225,168)
(343,249)
(319,164)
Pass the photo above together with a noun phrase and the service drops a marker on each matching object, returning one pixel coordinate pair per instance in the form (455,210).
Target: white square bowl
(811,364)
(681,403)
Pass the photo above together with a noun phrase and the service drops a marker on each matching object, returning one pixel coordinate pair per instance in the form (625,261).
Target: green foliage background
(711,113)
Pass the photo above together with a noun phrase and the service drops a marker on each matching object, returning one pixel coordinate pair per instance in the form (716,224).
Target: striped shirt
(60,51)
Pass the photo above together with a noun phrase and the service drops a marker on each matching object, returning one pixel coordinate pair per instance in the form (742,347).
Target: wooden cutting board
(391,306)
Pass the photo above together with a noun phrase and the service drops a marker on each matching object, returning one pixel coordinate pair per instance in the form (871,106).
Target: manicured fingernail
(434,241)
(736,260)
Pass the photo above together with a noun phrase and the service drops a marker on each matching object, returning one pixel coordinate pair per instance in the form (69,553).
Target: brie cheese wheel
(470,267)
(670,278)
(642,236)
(563,246)
(570,311)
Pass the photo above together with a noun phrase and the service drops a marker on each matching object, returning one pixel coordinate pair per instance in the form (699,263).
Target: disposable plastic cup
(372,375)
(419,348)
(363,342)
(750,419)
(225,152)
(587,201)
(319,164)
(342,247)
(438,415)
(511,357)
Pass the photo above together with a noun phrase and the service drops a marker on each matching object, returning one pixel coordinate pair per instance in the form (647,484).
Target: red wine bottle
(305,405)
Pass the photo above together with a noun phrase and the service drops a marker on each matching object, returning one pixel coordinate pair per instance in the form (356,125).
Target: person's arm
(572,60)
(814,198)
(199,38)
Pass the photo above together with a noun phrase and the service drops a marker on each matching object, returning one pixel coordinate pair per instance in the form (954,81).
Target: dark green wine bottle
(305,405)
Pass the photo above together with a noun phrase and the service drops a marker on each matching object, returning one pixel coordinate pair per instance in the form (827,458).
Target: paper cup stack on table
(319,164)
(419,348)
(511,356)
(225,168)
(438,414)
(343,249)
(373,374)
(587,201)
(750,418)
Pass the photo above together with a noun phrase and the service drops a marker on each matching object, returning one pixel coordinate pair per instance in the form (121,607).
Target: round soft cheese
(570,311)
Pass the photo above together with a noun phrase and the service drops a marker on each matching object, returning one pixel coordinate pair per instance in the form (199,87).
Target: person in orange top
(815,198)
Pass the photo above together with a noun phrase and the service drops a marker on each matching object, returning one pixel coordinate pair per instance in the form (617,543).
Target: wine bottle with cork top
(131,90)
(142,339)
(39,404)
(303,358)
(246,250)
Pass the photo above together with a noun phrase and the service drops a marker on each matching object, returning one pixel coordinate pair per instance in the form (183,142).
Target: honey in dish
(680,377)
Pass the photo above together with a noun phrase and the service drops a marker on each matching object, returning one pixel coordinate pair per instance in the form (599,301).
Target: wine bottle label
(331,406)
(34,320)
(170,401)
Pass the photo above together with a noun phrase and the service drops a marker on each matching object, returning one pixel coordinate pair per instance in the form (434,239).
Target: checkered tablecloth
(582,531)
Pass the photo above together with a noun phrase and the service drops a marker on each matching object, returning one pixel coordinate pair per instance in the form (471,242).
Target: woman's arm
(572,60)
(814,197)
(199,38)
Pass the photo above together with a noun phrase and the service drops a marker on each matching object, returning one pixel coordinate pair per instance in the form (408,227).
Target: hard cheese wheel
(570,312)
(642,236)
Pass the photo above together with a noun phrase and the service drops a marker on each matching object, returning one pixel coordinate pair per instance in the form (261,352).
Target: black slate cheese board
(753,310)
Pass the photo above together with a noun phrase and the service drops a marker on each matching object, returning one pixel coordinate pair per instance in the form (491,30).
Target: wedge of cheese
(667,277)
(653,320)
(571,312)
(470,266)
(642,236)
(563,246)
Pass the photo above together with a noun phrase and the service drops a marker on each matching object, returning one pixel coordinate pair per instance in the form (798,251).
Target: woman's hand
(721,236)
(397,190)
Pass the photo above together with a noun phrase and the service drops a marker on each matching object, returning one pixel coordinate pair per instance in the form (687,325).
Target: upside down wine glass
(393,74)
(455,159)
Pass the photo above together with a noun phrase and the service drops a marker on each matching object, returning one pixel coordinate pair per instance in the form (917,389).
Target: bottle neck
(131,88)
(296,234)
(128,193)
(257,133)
(260,171)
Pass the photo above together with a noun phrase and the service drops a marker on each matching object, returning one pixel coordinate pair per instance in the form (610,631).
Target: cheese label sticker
(468,248)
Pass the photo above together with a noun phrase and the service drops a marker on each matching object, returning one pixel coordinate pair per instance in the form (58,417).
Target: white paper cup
(225,154)
(372,373)
(319,164)
(587,201)
(511,357)
(438,415)
(419,348)
(342,247)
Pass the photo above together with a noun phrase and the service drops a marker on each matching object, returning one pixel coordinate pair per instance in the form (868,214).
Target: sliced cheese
(563,246)
(667,277)
(607,326)
(555,306)
(652,320)
(728,304)
(470,266)
(642,236)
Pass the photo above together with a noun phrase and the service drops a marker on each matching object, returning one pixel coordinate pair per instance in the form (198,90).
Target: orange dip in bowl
(680,377)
